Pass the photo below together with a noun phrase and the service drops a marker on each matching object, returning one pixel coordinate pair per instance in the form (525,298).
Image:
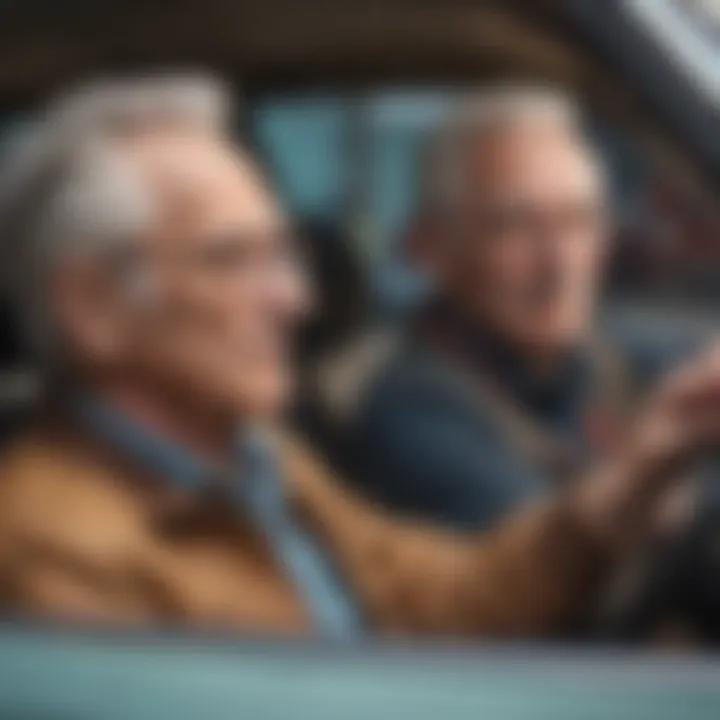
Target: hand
(682,418)
(679,423)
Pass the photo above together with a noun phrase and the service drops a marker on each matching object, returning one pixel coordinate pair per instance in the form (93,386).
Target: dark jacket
(460,441)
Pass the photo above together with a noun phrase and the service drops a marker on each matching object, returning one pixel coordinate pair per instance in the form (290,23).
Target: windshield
(689,30)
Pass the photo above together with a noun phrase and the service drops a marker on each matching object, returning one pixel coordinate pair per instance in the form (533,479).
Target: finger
(697,381)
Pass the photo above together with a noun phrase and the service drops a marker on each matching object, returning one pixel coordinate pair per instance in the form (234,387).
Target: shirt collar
(161,457)
(150,450)
(557,398)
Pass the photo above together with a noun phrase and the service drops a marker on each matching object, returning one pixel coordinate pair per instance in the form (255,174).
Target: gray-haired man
(507,389)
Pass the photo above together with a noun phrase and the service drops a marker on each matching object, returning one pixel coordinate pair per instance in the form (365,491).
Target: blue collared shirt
(257,490)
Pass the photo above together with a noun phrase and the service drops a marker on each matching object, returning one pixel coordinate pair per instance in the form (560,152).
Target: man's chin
(553,346)
(265,400)
(548,339)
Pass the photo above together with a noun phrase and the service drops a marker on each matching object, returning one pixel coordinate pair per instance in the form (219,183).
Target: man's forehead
(203,182)
(548,156)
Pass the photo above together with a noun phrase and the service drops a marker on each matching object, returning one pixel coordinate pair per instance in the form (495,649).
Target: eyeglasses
(522,220)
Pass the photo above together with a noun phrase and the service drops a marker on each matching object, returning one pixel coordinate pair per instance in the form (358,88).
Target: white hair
(480,115)
(65,190)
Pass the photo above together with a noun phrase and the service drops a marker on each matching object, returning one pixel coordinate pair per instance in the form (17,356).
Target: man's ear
(84,306)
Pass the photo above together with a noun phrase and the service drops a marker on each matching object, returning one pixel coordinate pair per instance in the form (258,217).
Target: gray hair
(63,190)
(480,115)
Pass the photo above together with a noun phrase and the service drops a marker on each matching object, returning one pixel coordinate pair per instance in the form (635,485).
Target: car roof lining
(282,44)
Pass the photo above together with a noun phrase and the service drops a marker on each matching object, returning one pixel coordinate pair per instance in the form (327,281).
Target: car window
(354,161)
(689,31)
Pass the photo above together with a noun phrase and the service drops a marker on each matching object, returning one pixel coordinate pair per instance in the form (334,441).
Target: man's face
(522,251)
(212,313)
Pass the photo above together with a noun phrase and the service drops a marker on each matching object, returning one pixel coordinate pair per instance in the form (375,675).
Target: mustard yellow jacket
(84,536)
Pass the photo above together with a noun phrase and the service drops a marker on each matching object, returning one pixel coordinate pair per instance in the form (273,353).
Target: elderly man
(505,388)
(157,280)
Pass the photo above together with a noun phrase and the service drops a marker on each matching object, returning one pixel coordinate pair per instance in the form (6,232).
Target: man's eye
(244,252)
